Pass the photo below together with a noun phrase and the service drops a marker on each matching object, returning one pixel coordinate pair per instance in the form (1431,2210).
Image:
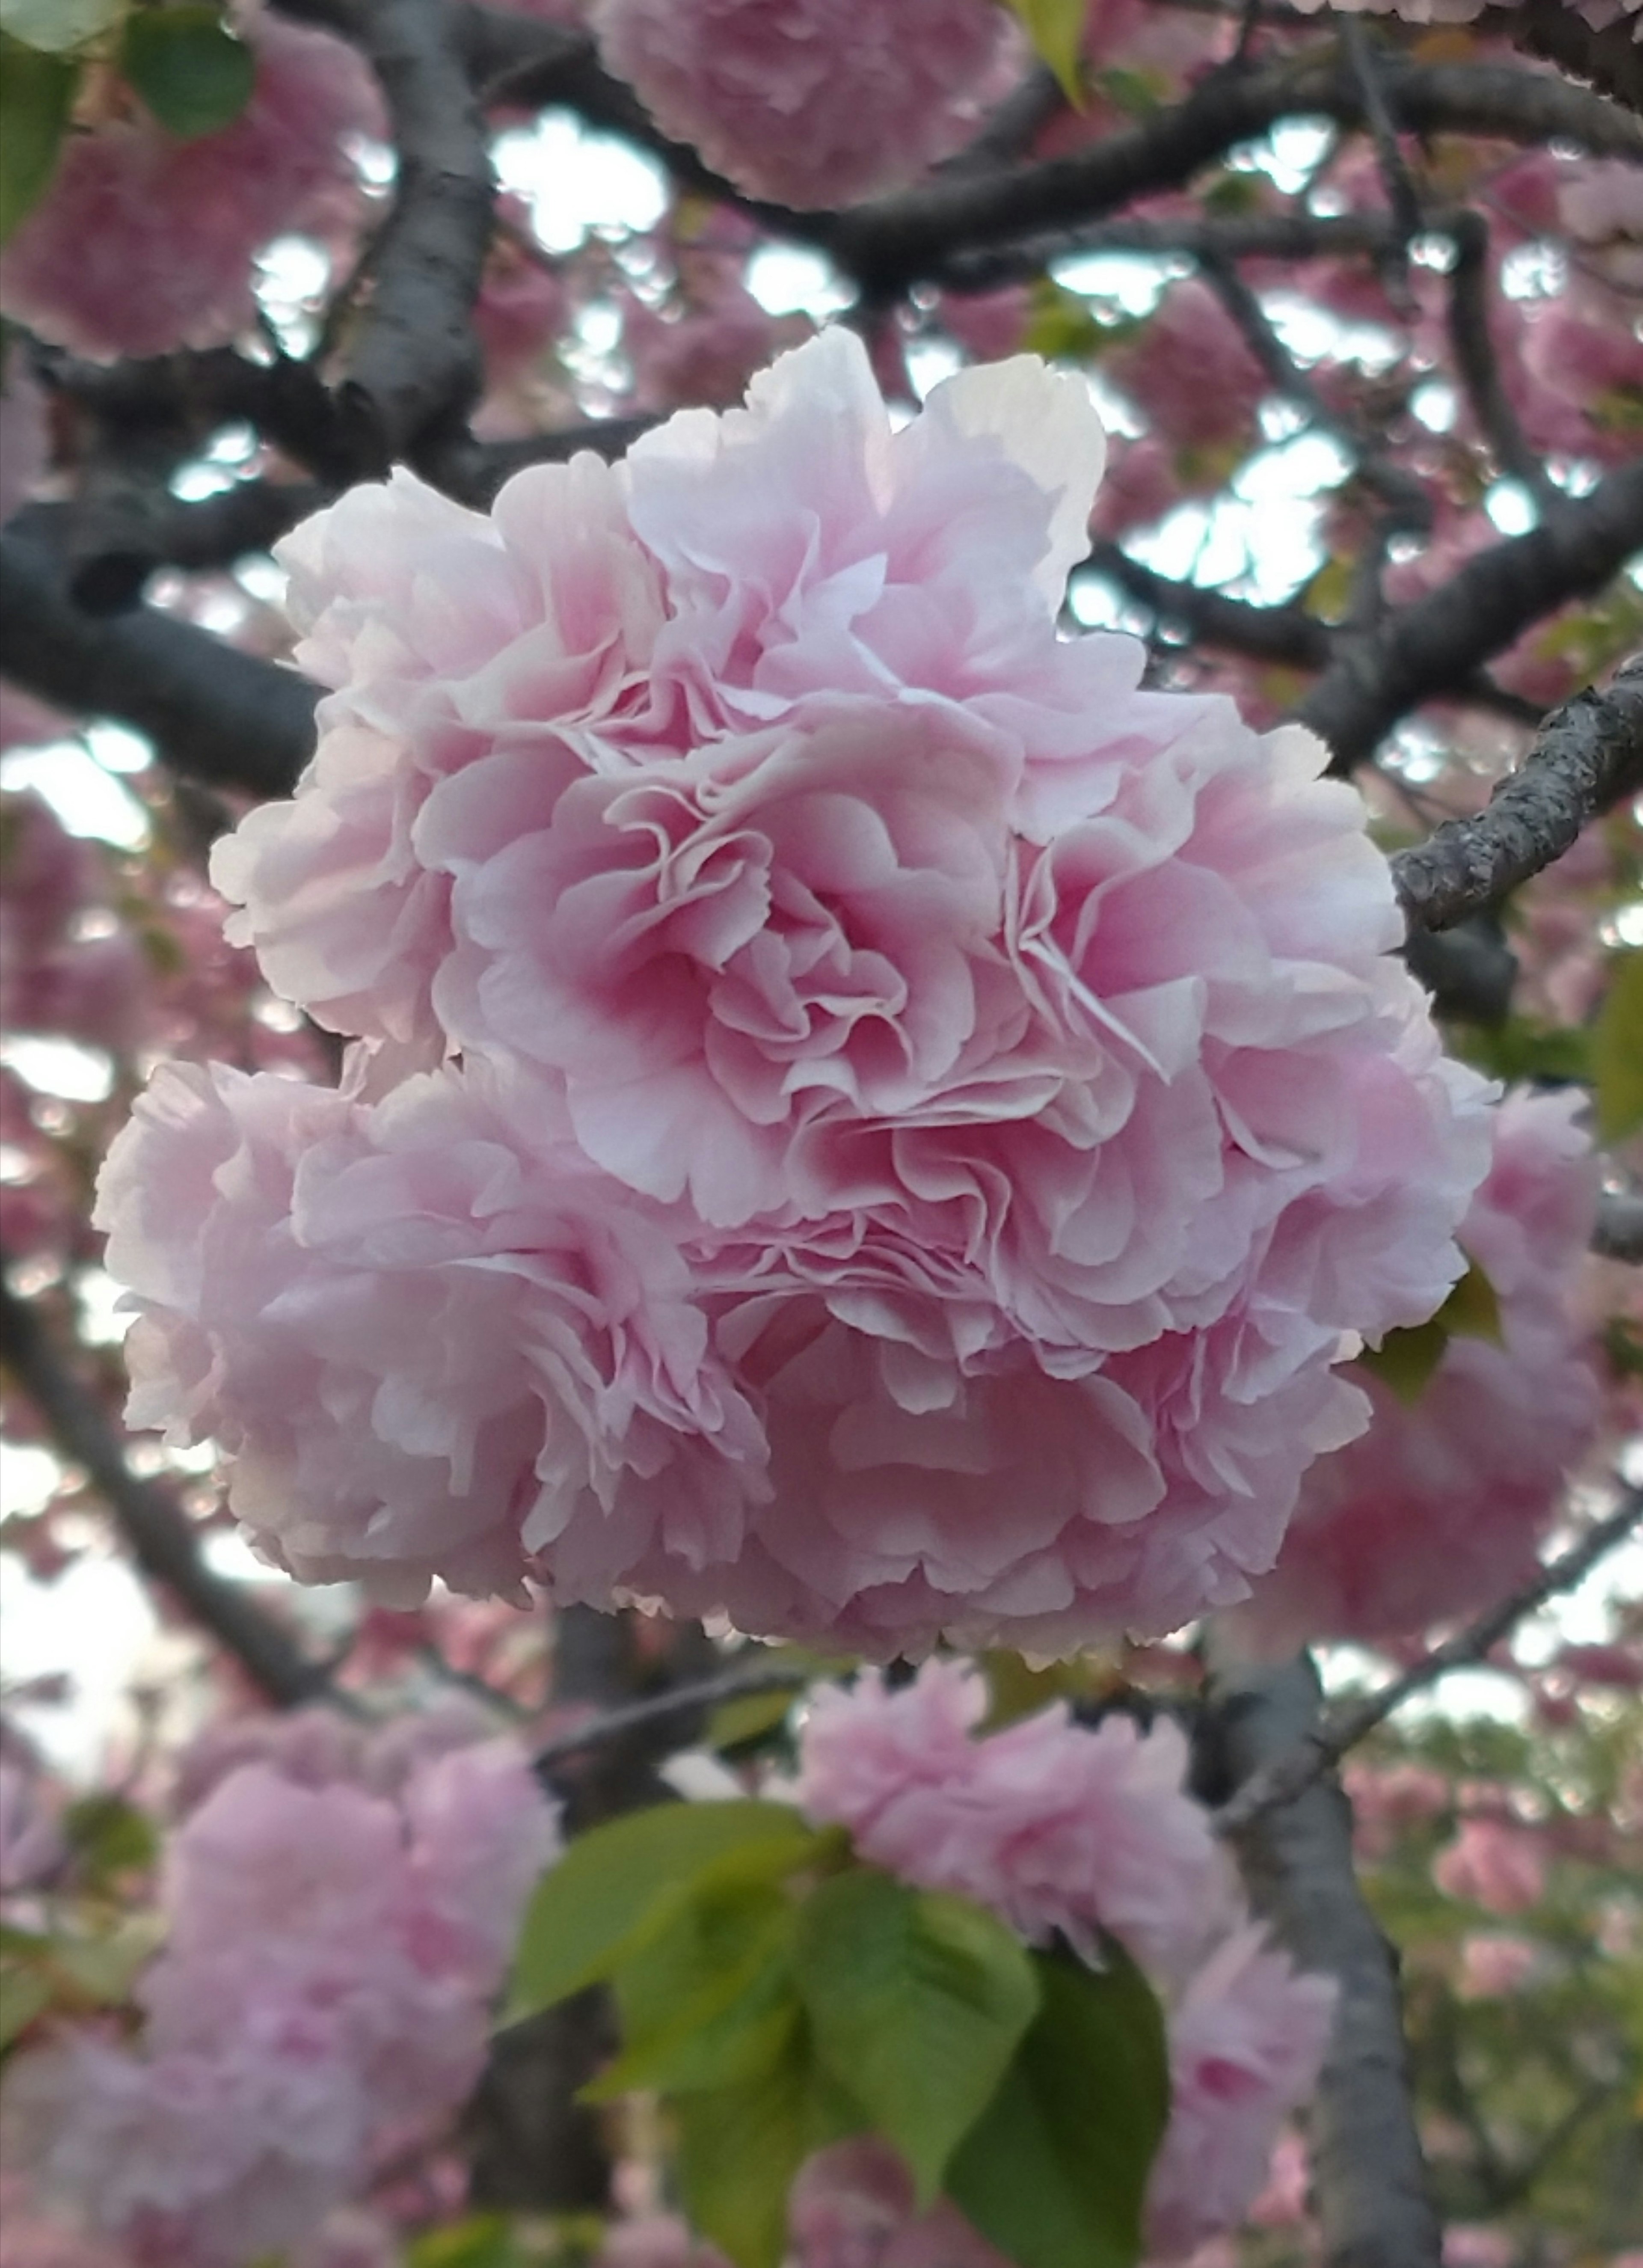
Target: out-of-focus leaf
(25,1992)
(36,97)
(1472,1310)
(1522,1048)
(108,1836)
(1405,1359)
(1055,28)
(1618,1051)
(189,69)
(57,26)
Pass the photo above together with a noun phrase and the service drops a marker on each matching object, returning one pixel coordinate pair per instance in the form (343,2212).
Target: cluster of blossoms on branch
(147,240)
(867,1120)
(1066,1829)
(339,1913)
(1439,1508)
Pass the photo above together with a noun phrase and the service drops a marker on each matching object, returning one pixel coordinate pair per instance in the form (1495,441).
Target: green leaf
(1055,2172)
(189,69)
(36,97)
(56,26)
(1061,328)
(708,2000)
(1472,1310)
(1405,1360)
(918,2001)
(1521,1049)
(108,1836)
(740,2147)
(24,1993)
(1618,1051)
(483,2241)
(102,1969)
(1055,28)
(616,1879)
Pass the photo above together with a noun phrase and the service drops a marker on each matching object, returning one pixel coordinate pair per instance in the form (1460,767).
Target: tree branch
(1286,1774)
(1588,755)
(679,1701)
(215,714)
(1297,1862)
(1618,1235)
(160,1534)
(417,367)
(1472,344)
(1611,59)
(1435,645)
(1286,634)
(895,241)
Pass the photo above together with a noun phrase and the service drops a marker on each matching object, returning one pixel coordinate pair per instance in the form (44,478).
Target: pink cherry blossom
(1190,372)
(1056,1826)
(852,2205)
(145,243)
(1494,1864)
(811,102)
(322,1998)
(425,1347)
(1009,1056)
(67,964)
(1440,1507)
(1494,1965)
(1247,2040)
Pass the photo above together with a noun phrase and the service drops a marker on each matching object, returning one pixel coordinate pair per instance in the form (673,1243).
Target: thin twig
(1472,342)
(1288,1775)
(679,1701)
(161,1536)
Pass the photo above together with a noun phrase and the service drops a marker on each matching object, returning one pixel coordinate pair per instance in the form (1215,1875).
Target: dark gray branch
(902,239)
(1371,2189)
(1619,1232)
(416,366)
(1611,59)
(1472,344)
(1287,635)
(215,714)
(160,1534)
(1433,646)
(1290,237)
(1588,755)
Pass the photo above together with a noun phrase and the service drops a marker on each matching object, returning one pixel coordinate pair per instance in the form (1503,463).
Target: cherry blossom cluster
(869,1121)
(145,242)
(338,1918)
(1439,1508)
(814,102)
(1059,1827)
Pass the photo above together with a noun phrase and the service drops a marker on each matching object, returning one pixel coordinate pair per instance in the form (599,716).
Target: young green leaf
(708,1999)
(36,96)
(58,26)
(108,1836)
(189,69)
(616,1879)
(1618,1051)
(1055,28)
(918,2001)
(1055,2171)
(1406,1359)
(739,2148)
